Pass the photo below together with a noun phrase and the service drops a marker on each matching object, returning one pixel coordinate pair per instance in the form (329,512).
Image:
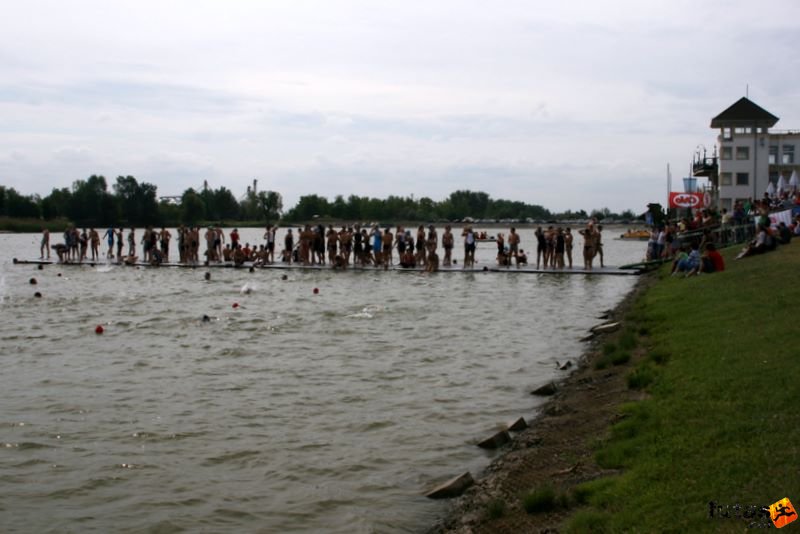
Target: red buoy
(316,290)
(98,329)
(235,305)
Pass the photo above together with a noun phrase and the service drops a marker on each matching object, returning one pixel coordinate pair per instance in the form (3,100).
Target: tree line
(129,202)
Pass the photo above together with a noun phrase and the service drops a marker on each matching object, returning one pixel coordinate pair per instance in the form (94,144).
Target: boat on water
(636,235)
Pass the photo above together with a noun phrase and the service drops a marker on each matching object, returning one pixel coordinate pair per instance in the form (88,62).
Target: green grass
(618,357)
(539,500)
(641,377)
(723,373)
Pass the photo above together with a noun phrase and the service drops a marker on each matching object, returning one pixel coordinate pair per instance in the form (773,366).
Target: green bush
(659,356)
(621,357)
(539,500)
(628,340)
(641,377)
(589,521)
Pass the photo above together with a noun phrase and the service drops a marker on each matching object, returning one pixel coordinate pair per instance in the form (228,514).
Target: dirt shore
(556,451)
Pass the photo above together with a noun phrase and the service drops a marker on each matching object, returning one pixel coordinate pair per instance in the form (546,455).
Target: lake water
(293,412)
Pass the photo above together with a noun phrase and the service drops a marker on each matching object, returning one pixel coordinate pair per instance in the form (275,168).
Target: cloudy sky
(571,105)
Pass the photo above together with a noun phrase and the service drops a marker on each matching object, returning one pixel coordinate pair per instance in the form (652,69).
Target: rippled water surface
(294,411)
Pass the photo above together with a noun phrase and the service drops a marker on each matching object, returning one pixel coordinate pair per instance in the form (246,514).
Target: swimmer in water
(45,245)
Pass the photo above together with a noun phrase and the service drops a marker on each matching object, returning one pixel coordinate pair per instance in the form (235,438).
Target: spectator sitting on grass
(784,234)
(712,261)
(762,243)
(691,263)
(681,254)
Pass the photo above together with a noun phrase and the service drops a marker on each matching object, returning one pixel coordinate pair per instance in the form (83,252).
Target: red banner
(687,200)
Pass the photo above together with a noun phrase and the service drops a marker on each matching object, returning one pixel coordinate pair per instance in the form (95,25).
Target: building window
(742,178)
(743,130)
(726,178)
(773,154)
(788,155)
(727,134)
(742,152)
(726,152)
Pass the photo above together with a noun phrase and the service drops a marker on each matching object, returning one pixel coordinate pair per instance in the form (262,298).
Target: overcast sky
(571,105)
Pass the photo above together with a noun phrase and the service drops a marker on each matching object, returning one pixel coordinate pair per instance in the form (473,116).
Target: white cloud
(568,105)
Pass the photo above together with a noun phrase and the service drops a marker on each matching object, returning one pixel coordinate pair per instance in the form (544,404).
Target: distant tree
(601,214)
(307,207)
(170,213)
(270,205)
(137,201)
(227,207)
(193,209)
(468,204)
(91,204)
(13,204)
(56,204)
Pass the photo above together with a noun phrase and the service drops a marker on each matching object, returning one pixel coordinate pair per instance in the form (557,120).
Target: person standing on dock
(358,246)
(288,246)
(94,240)
(541,246)
(420,245)
(599,243)
(432,243)
(132,242)
(211,246)
(589,245)
(332,244)
(269,235)
(560,248)
(447,243)
(400,242)
(568,237)
(469,247)
(109,237)
(219,241)
(513,244)
(388,243)
(235,239)
(120,234)
(165,236)
(84,241)
(377,245)
(45,246)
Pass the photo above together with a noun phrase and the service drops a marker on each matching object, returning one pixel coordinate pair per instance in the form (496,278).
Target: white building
(750,154)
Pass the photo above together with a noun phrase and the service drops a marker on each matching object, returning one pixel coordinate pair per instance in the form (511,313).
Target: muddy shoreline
(557,450)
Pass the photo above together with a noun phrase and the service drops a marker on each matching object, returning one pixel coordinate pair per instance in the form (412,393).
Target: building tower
(749,155)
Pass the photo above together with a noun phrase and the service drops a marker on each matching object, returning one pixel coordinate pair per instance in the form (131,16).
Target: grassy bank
(691,401)
(15,224)
(720,358)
